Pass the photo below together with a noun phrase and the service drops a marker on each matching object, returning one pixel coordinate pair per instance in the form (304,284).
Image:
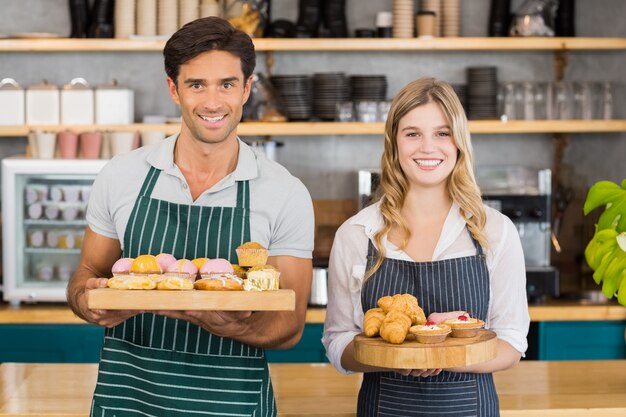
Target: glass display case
(43,215)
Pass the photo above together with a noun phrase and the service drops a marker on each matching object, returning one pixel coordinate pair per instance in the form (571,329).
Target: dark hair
(208,34)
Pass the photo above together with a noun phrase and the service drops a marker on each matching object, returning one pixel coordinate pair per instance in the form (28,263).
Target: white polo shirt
(281,210)
(507,314)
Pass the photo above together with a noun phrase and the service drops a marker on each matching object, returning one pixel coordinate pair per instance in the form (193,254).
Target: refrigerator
(43,222)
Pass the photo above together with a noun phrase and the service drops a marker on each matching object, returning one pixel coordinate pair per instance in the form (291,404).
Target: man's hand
(106,318)
(221,323)
(419,372)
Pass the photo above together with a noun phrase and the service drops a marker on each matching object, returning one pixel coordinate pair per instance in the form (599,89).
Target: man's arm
(98,254)
(267,329)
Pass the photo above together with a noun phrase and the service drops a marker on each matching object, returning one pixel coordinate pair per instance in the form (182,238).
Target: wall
(327,164)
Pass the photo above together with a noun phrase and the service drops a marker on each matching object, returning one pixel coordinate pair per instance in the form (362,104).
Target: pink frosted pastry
(440,317)
(216,266)
(183,267)
(164,260)
(122,266)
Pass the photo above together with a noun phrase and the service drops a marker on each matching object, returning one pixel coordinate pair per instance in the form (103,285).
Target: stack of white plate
(433,6)
(124,18)
(451,18)
(188,10)
(167,17)
(146,17)
(210,8)
(403,21)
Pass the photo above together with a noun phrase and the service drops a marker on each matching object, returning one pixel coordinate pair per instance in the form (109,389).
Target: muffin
(252,254)
(430,332)
(464,325)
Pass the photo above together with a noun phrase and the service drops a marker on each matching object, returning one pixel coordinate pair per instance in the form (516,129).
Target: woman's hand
(419,372)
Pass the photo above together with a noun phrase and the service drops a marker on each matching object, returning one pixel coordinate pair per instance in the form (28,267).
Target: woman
(429,235)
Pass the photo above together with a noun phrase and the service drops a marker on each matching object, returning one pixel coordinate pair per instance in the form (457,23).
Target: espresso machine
(522,194)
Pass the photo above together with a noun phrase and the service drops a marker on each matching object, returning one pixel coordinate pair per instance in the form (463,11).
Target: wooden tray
(451,353)
(111,299)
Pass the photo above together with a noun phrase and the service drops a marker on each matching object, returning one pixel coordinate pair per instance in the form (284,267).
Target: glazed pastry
(132,282)
(122,266)
(395,327)
(198,262)
(164,260)
(262,278)
(219,282)
(252,254)
(239,271)
(372,321)
(174,282)
(216,266)
(183,268)
(439,317)
(405,303)
(430,332)
(146,264)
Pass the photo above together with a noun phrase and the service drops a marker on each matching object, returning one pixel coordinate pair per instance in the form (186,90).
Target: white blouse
(508,308)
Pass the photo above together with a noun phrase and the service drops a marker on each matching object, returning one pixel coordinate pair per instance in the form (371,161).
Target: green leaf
(613,197)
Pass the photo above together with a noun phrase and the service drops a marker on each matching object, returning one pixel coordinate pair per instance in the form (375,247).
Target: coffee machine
(522,194)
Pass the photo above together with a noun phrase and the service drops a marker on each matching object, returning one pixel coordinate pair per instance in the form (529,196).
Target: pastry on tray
(464,325)
(262,278)
(218,275)
(430,332)
(133,282)
(252,254)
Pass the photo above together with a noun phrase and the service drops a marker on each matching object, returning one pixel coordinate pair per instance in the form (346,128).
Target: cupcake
(145,265)
(464,325)
(122,266)
(252,254)
(262,278)
(430,332)
(218,275)
(164,260)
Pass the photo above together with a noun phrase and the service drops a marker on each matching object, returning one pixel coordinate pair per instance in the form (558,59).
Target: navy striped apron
(157,366)
(440,286)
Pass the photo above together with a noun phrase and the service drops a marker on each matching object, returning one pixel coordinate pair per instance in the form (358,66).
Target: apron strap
(243,194)
(149,182)
(479,249)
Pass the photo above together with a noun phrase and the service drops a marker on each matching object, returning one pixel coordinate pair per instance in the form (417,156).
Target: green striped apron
(157,366)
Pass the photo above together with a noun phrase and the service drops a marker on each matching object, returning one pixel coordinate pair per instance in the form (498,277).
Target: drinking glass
(344,111)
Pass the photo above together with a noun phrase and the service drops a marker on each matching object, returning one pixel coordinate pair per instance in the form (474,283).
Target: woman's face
(426,148)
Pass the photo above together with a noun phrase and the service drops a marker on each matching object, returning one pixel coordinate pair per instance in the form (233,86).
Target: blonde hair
(461,184)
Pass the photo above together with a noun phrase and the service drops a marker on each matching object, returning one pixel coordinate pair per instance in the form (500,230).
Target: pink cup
(90,144)
(68,144)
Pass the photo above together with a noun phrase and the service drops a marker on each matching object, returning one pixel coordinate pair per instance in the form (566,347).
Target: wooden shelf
(336,44)
(353,129)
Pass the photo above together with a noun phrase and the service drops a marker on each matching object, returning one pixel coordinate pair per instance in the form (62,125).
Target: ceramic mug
(90,145)
(151,137)
(68,144)
(121,142)
(46,144)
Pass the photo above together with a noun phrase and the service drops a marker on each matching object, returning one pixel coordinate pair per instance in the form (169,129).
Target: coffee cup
(68,144)
(46,144)
(90,144)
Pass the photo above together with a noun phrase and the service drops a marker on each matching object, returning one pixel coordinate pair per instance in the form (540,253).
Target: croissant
(371,322)
(405,303)
(395,327)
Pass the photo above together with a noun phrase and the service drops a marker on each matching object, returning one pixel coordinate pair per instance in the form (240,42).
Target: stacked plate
(461,92)
(188,10)
(368,87)
(451,18)
(167,17)
(146,17)
(295,95)
(482,92)
(329,89)
(403,20)
(433,6)
(124,18)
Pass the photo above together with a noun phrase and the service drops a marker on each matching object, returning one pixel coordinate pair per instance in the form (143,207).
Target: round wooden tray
(450,353)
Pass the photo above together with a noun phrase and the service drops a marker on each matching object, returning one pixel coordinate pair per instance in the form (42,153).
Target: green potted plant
(606,252)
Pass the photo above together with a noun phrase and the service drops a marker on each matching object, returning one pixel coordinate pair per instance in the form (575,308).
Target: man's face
(211,93)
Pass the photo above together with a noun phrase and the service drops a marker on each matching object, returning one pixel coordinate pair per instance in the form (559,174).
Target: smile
(212,119)
(428,162)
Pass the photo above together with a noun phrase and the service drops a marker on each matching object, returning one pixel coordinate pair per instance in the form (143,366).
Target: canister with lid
(77,103)
(42,104)
(114,105)
(11,103)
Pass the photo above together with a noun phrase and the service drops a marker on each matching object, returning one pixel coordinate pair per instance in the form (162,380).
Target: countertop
(532,389)
(552,311)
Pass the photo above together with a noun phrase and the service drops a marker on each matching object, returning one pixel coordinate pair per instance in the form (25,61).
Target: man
(200,193)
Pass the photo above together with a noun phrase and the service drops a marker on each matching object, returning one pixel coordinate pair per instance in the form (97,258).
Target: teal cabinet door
(581,340)
(38,343)
(309,349)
